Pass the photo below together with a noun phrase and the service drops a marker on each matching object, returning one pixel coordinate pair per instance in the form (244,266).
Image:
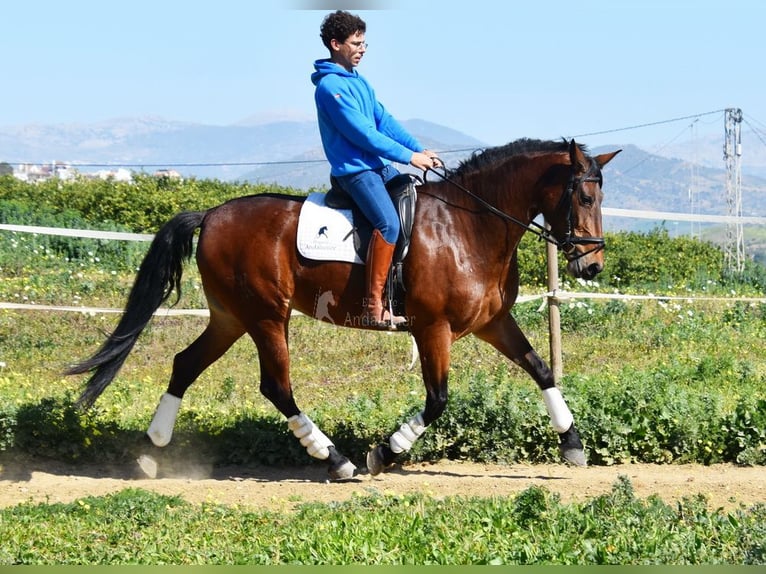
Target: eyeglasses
(359,45)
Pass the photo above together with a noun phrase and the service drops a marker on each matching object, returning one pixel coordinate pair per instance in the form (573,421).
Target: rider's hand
(434,157)
(424,161)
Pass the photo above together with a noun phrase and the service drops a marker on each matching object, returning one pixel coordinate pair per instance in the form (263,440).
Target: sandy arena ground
(725,486)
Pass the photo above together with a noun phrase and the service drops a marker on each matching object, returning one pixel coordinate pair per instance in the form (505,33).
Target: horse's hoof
(343,471)
(574,456)
(375,464)
(148,465)
(571,447)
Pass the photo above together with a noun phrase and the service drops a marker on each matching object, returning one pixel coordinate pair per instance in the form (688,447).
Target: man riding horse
(361,139)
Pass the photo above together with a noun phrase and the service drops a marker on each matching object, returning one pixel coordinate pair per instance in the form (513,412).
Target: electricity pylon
(734,250)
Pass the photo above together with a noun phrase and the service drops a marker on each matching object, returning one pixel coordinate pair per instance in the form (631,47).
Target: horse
(460,277)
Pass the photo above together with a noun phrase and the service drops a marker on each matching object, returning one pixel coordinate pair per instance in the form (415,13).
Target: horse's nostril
(594,269)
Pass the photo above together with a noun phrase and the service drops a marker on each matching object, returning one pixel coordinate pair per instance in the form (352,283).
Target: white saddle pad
(326,234)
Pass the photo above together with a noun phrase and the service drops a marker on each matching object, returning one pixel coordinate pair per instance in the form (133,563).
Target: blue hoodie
(357,132)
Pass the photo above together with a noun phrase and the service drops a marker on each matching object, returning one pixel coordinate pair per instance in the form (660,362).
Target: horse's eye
(586,199)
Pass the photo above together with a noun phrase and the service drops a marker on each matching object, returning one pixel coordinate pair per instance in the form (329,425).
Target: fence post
(554,313)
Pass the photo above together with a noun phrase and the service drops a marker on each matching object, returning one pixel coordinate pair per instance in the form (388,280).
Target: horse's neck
(480,232)
(510,190)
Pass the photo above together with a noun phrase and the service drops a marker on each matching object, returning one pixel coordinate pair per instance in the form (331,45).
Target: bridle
(567,246)
(570,241)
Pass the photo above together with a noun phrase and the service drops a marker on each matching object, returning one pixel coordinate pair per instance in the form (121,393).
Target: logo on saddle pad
(327,234)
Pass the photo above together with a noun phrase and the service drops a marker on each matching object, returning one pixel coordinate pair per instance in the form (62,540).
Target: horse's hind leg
(214,341)
(271,339)
(505,335)
(434,345)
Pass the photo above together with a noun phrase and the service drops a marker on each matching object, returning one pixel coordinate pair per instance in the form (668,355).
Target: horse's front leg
(434,347)
(505,335)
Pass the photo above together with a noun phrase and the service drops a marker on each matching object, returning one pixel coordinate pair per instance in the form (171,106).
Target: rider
(361,139)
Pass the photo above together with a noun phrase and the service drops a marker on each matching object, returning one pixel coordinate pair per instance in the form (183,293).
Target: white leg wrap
(561,416)
(315,441)
(407,434)
(161,429)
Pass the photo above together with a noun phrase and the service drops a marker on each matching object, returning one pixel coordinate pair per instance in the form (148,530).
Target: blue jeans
(368,190)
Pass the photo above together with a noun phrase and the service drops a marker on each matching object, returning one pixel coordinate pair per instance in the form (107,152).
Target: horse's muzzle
(579,268)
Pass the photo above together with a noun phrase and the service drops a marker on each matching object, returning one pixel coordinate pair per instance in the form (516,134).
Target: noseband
(570,241)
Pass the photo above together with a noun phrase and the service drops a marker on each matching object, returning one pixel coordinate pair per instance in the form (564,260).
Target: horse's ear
(605,158)
(577,157)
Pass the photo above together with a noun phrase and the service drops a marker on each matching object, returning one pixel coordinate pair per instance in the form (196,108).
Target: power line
(212,164)
(635,127)
(755,131)
(756,120)
(170,164)
(659,149)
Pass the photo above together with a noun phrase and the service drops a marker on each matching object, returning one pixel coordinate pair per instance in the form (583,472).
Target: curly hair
(339,26)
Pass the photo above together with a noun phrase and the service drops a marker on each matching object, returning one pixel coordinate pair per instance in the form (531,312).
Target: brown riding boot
(379,255)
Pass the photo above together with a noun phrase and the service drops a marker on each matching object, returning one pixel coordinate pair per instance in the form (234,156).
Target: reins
(567,245)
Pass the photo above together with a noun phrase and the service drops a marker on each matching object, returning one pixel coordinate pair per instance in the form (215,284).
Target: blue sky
(494,70)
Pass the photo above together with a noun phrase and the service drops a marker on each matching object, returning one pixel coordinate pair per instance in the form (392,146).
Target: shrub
(55,428)
(142,205)
(18,248)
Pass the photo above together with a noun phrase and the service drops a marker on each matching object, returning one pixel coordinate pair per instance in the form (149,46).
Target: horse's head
(576,220)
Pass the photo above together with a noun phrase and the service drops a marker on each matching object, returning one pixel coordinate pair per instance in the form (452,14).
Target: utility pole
(693,183)
(734,252)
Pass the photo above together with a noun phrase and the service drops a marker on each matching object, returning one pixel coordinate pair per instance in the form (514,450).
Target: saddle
(401,189)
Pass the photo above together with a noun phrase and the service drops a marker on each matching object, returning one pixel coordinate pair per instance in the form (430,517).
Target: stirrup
(395,322)
(386,324)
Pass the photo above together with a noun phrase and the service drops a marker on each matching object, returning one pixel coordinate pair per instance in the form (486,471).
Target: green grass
(646,382)
(533,527)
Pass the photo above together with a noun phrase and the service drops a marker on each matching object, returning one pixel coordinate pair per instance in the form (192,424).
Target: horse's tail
(159,274)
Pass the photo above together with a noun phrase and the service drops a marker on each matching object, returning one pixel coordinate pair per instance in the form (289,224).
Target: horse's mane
(493,155)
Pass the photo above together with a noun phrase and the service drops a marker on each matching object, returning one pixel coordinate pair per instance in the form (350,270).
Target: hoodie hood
(325,67)
(357,132)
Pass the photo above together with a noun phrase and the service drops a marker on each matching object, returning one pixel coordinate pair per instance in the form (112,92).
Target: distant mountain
(707,151)
(204,151)
(636,179)
(287,150)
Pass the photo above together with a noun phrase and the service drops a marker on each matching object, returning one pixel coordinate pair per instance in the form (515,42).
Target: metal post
(554,313)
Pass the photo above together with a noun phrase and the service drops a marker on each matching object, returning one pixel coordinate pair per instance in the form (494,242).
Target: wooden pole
(554,313)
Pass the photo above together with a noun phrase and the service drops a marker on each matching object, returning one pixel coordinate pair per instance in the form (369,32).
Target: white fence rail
(611,211)
(675,216)
(86,233)
(558,295)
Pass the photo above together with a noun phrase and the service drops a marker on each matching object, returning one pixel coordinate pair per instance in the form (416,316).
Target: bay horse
(460,275)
